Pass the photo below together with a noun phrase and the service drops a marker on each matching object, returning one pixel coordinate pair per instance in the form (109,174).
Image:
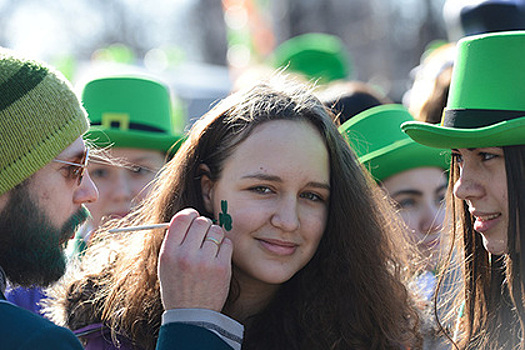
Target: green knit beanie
(40,116)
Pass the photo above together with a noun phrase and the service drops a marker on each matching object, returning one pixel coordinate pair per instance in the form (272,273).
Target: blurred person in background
(428,95)
(414,178)
(349,98)
(472,17)
(133,119)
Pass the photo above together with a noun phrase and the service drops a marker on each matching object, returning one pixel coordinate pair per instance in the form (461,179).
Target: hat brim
(505,133)
(402,156)
(133,139)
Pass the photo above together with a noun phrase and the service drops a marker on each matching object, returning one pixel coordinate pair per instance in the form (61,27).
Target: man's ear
(206,187)
(4,198)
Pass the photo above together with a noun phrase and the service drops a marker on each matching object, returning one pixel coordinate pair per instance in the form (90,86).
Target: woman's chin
(495,246)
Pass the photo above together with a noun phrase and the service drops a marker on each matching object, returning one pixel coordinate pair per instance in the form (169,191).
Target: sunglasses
(76,170)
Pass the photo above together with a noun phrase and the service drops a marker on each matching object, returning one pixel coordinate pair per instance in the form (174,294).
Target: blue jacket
(24,330)
(21,330)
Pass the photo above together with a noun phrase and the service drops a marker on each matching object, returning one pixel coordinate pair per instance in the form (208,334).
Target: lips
(116,215)
(487,217)
(485,221)
(278,247)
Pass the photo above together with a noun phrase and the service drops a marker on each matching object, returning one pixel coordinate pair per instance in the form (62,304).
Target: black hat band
(477,118)
(134,126)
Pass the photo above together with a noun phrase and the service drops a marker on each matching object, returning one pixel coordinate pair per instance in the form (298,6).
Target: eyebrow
(139,159)
(407,192)
(440,188)
(416,192)
(469,149)
(274,178)
(76,155)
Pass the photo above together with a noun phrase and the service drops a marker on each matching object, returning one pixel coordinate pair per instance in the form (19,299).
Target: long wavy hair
(489,312)
(351,295)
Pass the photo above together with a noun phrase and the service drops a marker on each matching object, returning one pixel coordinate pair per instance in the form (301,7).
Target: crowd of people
(303,211)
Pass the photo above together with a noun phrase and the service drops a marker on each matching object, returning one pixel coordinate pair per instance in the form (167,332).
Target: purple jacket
(98,337)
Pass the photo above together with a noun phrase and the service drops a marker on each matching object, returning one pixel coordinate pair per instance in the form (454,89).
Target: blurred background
(199,47)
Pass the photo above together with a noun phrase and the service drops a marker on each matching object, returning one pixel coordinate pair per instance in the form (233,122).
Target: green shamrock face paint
(225,219)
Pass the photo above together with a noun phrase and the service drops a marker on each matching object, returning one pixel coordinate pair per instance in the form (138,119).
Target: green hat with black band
(130,112)
(486,103)
(378,141)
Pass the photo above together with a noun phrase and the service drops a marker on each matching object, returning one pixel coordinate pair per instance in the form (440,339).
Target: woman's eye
(405,203)
(312,196)
(72,171)
(440,199)
(487,156)
(140,170)
(99,173)
(260,189)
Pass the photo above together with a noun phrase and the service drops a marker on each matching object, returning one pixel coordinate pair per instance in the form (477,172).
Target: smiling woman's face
(482,184)
(276,184)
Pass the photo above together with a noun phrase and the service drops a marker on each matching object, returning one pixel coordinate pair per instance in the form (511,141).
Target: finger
(213,239)
(179,226)
(196,233)
(226,250)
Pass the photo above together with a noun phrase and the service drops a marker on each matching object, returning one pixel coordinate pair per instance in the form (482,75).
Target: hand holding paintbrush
(194,263)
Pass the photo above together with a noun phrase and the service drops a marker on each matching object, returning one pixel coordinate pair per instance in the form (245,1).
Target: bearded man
(44,185)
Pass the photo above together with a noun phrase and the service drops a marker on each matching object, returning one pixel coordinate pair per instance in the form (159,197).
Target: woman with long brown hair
(316,262)
(484,125)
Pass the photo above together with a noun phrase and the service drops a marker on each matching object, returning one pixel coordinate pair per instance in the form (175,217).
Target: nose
(467,187)
(121,187)
(87,192)
(286,216)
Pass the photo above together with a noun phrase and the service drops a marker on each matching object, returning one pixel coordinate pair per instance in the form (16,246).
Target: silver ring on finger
(213,240)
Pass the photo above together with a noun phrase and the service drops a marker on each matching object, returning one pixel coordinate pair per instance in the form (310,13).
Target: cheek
(45,197)
(409,218)
(104,192)
(244,220)
(505,204)
(314,226)
(503,194)
(96,208)
(414,221)
(106,187)
(141,187)
(55,209)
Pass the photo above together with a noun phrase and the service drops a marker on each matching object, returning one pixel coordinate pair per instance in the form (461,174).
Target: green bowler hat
(316,55)
(130,112)
(486,103)
(376,137)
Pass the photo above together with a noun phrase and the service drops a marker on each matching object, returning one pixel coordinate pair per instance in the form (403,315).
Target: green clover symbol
(225,219)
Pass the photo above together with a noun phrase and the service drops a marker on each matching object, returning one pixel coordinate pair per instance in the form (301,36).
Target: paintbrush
(225,221)
(164,225)
(139,228)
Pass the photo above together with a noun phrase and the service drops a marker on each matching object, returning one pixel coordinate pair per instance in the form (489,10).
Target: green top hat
(486,103)
(316,55)
(383,148)
(132,112)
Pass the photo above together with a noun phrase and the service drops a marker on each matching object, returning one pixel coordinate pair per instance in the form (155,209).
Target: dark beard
(31,248)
